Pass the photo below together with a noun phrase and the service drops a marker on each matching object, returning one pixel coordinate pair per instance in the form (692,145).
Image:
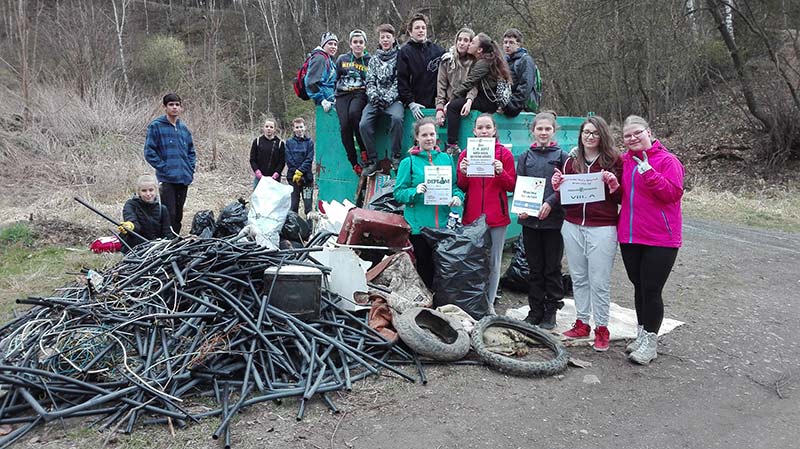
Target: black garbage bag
(516,276)
(385,202)
(295,228)
(203,224)
(232,218)
(461,260)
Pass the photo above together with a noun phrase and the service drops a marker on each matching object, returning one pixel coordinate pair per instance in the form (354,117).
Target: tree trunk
(119,24)
(269,12)
(741,71)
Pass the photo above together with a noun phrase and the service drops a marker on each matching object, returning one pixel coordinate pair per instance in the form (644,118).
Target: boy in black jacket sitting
(144,214)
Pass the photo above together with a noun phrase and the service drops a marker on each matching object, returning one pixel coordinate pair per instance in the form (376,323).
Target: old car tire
(515,366)
(431,334)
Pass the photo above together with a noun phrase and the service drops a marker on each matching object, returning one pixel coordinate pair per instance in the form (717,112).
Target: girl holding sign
(541,233)
(489,196)
(590,230)
(426,205)
(649,229)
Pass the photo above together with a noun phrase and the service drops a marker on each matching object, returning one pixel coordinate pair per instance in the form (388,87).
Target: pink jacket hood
(651,202)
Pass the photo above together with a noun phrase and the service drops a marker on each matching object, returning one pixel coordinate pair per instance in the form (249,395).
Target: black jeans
(174,196)
(481,103)
(648,269)
(423,253)
(307,193)
(349,108)
(544,249)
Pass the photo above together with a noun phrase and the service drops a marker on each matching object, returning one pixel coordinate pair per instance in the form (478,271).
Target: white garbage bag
(269,205)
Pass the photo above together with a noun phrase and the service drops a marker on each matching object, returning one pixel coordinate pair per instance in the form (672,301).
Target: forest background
(81,79)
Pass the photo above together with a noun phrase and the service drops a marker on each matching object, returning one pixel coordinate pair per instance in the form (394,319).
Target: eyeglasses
(634,135)
(587,133)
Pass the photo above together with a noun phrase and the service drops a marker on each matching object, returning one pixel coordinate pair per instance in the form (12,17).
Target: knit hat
(327,36)
(358,32)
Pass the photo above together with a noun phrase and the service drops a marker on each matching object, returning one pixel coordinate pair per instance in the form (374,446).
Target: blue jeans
(369,121)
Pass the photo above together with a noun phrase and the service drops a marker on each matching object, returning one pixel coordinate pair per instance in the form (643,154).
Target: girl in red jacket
(489,196)
(590,231)
(649,229)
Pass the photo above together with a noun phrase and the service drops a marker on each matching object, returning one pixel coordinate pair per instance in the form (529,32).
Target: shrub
(159,63)
(16,234)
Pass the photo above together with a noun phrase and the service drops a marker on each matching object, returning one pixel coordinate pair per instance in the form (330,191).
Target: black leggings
(174,196)
(423,253)
(544,249)
(481,103)
(648,268)
(349,108)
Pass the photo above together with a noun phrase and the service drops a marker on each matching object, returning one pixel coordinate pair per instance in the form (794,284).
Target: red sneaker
(357,168)
(601,337)
(579,330)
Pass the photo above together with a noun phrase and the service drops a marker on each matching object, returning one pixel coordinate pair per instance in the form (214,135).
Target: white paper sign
(439,181)
(528,195)
(480,153)
(582,188)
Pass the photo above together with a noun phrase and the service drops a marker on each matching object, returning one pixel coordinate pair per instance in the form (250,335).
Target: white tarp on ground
(621,321)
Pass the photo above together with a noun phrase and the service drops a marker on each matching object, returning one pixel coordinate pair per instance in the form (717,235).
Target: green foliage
(159,63)
(16,234)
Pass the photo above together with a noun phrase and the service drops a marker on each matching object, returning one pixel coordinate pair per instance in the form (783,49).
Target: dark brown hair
(608,156)
(513,33)
(385,28)
(492,52)
(414,18)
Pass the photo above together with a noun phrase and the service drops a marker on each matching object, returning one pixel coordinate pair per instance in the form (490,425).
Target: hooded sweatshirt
(381,79)
(651,202)
(321,76)
(599,213)
(417,70)
(523,73)
(541,162)
(410,174)
(489,195)
(452,71)
(351,73)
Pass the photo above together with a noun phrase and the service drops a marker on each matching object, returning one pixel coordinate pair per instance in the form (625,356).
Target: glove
(557,179)
(258,174)
(416,109)
(297,175)
(124,227)
(422,188)
(326,105)
(642,164)
(455,202)
(276,176)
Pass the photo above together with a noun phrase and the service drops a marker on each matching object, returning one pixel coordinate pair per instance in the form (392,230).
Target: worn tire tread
(425,343)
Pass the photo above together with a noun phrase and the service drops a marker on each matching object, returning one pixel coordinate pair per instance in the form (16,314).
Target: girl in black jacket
(144,214)
(267,154)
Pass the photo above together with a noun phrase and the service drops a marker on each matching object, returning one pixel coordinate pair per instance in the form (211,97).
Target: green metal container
(335,177)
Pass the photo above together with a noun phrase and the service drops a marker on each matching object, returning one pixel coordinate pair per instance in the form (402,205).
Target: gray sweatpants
(590,254)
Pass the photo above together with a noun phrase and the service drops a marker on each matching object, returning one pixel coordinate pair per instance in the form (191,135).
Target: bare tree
(119,24)
(269,11)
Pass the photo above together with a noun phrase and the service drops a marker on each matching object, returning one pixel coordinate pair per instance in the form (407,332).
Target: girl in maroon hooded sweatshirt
(649,229)
(489,196)
(590,231)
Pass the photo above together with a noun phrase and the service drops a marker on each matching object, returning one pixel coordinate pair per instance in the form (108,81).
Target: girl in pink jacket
(489,196)
(649,228)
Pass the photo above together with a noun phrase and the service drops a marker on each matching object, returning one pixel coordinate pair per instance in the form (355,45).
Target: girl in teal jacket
(410,190)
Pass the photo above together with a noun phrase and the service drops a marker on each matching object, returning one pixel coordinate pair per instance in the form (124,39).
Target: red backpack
(299,83)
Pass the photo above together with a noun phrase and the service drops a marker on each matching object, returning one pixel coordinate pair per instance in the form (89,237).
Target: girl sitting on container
(453,69)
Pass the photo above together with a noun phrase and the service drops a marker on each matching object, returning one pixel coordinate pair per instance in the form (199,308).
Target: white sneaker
(647,350)
(634,345)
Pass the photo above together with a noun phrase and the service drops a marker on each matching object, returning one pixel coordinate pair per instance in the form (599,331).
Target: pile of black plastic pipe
(174,321)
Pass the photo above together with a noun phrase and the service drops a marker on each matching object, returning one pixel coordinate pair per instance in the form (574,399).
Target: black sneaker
(370,169)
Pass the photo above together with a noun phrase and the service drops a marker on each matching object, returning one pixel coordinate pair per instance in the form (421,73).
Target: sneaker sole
(642,362)
(600,349)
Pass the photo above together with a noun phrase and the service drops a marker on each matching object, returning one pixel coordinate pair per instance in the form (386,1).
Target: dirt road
(728,378)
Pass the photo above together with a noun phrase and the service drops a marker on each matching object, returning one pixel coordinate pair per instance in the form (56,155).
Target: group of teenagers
(643,186)
(474,74)
(641,212)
